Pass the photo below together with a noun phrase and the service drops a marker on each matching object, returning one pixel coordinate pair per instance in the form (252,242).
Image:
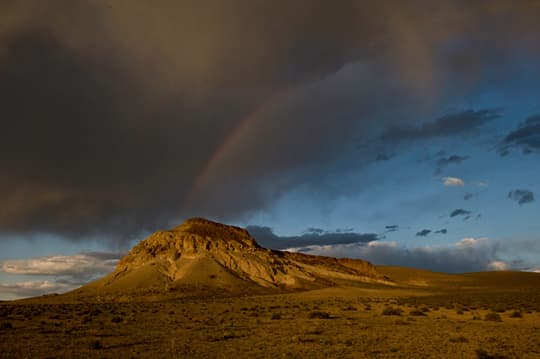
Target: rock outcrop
(201,256)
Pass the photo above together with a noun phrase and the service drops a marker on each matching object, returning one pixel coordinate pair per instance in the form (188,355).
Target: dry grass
(341,322)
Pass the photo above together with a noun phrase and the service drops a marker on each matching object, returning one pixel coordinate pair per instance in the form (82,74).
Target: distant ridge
(202,257)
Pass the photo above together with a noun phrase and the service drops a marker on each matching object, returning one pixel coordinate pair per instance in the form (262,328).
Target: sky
(404,133)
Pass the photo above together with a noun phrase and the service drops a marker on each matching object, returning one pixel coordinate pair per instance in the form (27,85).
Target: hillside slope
(205,257)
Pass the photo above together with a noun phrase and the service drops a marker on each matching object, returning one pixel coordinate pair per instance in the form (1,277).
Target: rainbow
(234,138)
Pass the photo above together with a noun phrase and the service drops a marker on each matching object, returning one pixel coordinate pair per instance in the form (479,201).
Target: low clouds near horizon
(466,255)
(35,288)
(80,266)
(61,272)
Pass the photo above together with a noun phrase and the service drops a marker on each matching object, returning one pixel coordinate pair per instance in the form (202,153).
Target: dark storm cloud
(107,126)
(521,196)
(119,117)
(443,162)
(460,212)
(266,238)
(84,146)
(448,125)
(442,231)
(423,233)
(526,136)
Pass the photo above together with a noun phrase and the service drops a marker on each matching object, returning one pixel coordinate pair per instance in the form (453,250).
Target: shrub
(95,344)
(482,354)
(516,314)
(401,322)
(276,316)
(117,319)
(417,313)
(493,317)
(95,312)
(392,311)
(6,325)
(319,315)
(460,339)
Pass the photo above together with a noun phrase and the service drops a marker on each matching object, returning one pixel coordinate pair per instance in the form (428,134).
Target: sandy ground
(437,321)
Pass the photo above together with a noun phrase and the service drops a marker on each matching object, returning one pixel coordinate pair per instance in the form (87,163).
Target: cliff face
(196,237)
(207,255)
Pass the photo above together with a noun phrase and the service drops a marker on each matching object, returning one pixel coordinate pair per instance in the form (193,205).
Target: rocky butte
(201,257)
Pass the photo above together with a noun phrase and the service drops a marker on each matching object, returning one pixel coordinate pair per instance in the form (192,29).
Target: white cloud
(472,242)
(498,265)
(453,182)
(382,244)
